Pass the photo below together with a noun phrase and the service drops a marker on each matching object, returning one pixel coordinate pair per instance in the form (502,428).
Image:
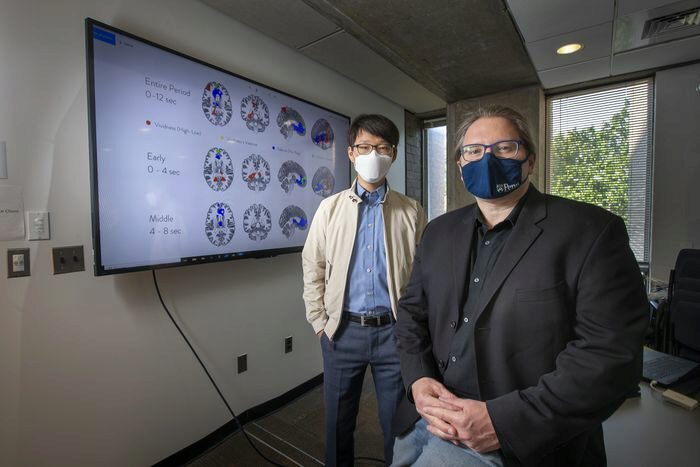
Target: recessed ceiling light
(569,48)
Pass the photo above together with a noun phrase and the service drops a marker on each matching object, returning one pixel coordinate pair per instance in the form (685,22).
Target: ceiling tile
(540,19)
(291,22)
(669,53)
(349,57)
(576,73)
(625,7)
(596,44)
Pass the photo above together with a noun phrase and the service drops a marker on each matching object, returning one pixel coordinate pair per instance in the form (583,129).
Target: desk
(648,432)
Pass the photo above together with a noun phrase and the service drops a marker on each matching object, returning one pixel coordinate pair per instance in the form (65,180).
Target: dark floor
(294,435)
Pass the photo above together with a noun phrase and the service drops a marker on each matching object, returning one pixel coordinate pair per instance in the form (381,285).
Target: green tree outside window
(593,165)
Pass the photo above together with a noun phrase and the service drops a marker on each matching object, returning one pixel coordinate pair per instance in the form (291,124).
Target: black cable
(235,418)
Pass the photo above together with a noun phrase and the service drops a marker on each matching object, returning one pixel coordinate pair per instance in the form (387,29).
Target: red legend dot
(148,122)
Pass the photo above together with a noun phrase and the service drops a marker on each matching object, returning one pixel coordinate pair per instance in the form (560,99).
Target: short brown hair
(509,114)
(377,125)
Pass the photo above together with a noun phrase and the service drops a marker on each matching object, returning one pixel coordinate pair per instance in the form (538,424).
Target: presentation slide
(194,164)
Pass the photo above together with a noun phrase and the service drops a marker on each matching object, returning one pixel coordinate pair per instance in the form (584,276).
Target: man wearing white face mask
(357,260)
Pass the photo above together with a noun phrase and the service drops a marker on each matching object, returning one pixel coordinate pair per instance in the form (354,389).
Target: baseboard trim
(195,449)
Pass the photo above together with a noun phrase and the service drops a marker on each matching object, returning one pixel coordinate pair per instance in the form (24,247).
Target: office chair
(684,305)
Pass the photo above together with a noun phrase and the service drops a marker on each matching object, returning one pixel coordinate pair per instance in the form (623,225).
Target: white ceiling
(609,31)
(299,26)
(417,53)
(423,55)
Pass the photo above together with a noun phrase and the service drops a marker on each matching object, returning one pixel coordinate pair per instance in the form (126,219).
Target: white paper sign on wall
(11,213)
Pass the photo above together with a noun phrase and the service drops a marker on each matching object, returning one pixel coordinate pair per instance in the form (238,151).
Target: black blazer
(557,334)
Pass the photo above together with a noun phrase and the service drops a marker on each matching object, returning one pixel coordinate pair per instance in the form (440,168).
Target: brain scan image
(220,225)
(322,134)
(323,182)
(218,169)
(256,172)
(257,222)
(290,123)
(291,175)
(291,219)
(254,113)
(216,104)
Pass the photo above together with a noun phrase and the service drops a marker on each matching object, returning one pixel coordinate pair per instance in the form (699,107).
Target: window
(600,150)
(435,138)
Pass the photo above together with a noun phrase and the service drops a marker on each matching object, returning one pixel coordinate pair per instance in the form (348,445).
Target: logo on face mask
(490,177)
(506,188)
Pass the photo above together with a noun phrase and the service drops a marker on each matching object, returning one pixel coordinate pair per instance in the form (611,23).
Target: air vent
(676,22)
(667,23)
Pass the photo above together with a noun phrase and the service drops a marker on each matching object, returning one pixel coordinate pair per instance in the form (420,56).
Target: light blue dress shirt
(367,291)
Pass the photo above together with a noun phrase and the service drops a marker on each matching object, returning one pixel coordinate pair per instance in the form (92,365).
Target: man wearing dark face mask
(357,259)
(521,327)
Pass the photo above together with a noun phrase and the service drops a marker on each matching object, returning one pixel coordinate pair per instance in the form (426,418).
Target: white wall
(91,370)
(676,209)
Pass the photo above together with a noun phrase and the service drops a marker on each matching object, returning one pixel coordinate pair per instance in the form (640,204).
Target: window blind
(599,148)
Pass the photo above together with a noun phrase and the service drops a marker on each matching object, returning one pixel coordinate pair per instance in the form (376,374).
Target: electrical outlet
(242,363)
(18,262)
(68,259)
(288,344)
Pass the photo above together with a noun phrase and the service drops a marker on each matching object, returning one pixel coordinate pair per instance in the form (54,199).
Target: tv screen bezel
(99,269)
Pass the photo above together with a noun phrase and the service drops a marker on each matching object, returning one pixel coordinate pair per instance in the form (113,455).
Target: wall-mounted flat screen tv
(192,164)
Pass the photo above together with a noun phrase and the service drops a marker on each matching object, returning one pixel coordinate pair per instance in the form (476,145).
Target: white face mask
(372,167)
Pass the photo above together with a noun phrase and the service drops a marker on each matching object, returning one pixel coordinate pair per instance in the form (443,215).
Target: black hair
(377,125)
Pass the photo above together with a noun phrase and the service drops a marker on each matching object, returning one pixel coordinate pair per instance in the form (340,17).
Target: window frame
(428,124)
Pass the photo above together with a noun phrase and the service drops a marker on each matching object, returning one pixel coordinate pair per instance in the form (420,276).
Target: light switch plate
(18,262)
(38,227)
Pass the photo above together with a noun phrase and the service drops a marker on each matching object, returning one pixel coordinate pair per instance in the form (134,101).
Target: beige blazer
(328,248)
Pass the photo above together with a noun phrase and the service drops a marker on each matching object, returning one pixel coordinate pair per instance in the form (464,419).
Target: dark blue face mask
(490,177)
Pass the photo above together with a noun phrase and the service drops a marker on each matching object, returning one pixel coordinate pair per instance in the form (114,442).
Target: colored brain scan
(322,134)
(290,123)
(218,169)
(291,219)
(216,104)
(256,172)
(219,225)
(257,222)
(291,175)
(323,182)
(254,113)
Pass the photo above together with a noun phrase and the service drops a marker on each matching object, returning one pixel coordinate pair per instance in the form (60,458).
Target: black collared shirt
(461,371)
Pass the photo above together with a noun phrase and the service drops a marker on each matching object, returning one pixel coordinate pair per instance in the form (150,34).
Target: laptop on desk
(666,369)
